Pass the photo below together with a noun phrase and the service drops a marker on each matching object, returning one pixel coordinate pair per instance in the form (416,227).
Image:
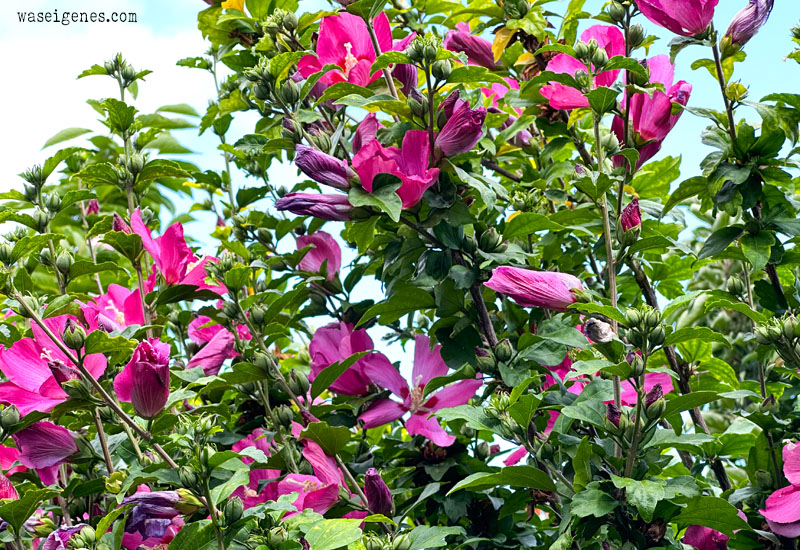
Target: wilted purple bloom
(379,497)
(144,382)
(747,22)
(62,372)
(462,130)
(478,50)
(59,539)
(323,168)
(93,207)
(684,17)
(529,288)
(631,215)
(598,331)
(407,74)
(44,446)
(655,393)
(152,513)
(613,414)
(334,208)
(450,102)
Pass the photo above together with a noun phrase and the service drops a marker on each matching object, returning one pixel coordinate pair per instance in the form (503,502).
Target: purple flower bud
(407,74)
(655,393)
(462,131)
(748,21)
(63,373)
(631,215)
(144,382)
(325,207)
(613,414)
(478,50)
(323,168)
(529,288)
(379,497)
(93,207)
(120,225)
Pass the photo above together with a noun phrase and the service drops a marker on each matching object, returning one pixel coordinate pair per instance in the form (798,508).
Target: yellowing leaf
(525,59)
(501,40)
(234,5)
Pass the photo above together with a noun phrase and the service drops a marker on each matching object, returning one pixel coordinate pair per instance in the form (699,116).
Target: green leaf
(281,64)
(161,168)
(94,70)
(714,513)
(385,199)
(31,244)
(387,59)
(607,311)
(474,74)
(104,524)
(402,302)
(722,302)
(85,267)
(333,533)
(528,477)
(17,512)
(476,417)
(65,135)
(179,109)
(757,248)
(98,341)
(719,240)
(331,374)
(689,401)
(332,439)
(592,502)
(528,223)
(425,536)
(645,495)
(237,277)
(127,244)
(631,65)
(524,409)
(602,99)
(198,535)
(120,115)
(695,333)
(101,173)
(686,190)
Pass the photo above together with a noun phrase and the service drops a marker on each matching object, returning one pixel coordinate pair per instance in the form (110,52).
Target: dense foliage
(599,354)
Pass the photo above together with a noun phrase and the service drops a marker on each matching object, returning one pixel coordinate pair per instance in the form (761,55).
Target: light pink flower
(173,258)
(335,343)
(409,164)
(529,288)
(344,41)
(28,365)
(684,17)
(325,250)
(44,446)
(561,96)
(428,364)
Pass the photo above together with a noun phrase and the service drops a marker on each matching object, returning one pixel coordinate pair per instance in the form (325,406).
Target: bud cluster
(423,50)
(645,330)
(280,22)
(784,334)
(591,54)
(516,9)
(119,69)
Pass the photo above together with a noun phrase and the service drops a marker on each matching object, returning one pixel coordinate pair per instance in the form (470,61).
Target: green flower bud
(34,176)
(657,337)
(486,360)
(633,317)
(617,12)
(789,326)
(441,69)
(430,53)
(482,451)
(257,315)
(276,536)
(466,431)
(503,351)
(417,109)
(230,310)
(88,534)
(651,318)
(290,93)
(582,51)
(609,142)
(414,51)
(110,67)
(234,509)
(298,382)
(656,410)
(73,336)
(42,219)
(64,262)
(401,542)
(372,542)
(188,477)
(128,74)
(599,58)
(637,364)
(52,202)
(284,416)
(583,79)
(7,254)
(290,21)
(735,285)
(9,417)
(636,36)
(262,91)
(490,241)
(762,335)
(764,479)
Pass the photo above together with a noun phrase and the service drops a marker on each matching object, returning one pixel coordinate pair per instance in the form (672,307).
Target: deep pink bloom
(651,117)
(212,355)
(59,539)
(408,77)
(529,288)
(144,382)
(705,538)
(202,330)
(31,385)
(335,343)
(379,496)
(312,492)
(7,490)
(748,21)
(325,250)
(564,97)
(462,130)
(366,132)
(116,309)
(409,164)
(44,446)
(344,41)
(249,493)
(782,509)
(515,456)
(478,50)
(631,215)
(684,17)
(334,208)
(428,364)
(323,168)
(8,457)
(173,258)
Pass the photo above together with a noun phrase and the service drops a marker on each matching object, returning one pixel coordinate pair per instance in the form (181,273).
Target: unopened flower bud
(582,51)
(188,477)
(401,542)
(284,416)
(482,451)
(735,285)
(504,351)
(73,336)
(276,537)
(234,509)
(379,497)
(298,382)
(598,331)
(290,21)
(613,417)
(441,69)
(657,337)
(617,12)
(64,262)
(635,36)
(9,417)
(7,254)
(651,318)
(633,317)
(599,58)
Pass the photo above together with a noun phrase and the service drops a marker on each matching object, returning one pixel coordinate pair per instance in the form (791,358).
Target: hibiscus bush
(454,296)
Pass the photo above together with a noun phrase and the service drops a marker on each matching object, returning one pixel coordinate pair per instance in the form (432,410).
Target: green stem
(722,86)
(101,435)
(262,388)
(387,76)
(634,448)
(212,510)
